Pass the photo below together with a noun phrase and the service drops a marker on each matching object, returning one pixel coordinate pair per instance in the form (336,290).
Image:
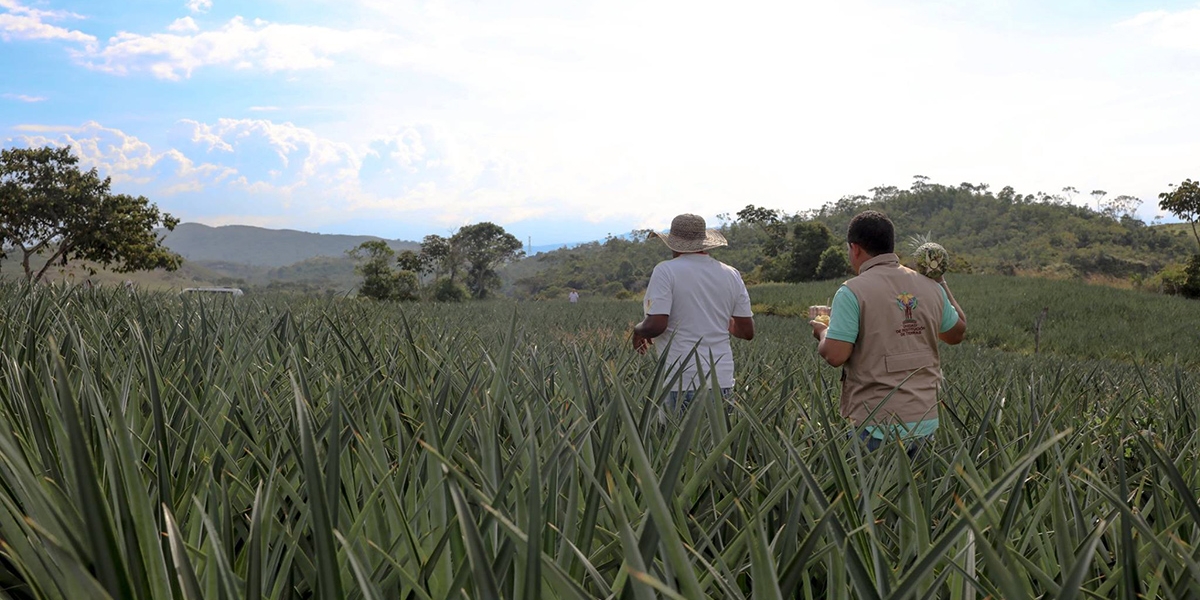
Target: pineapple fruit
(932,258)
(819,314)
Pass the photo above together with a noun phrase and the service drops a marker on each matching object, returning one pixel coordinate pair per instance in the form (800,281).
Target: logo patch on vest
(909,326)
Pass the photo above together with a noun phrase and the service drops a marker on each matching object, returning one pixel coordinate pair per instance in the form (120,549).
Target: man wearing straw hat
(698,302)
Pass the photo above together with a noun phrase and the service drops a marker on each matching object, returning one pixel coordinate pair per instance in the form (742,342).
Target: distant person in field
(573,296)
(883,331)
(698,302)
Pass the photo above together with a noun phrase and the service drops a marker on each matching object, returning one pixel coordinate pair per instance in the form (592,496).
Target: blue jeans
(914,446)
(673,403)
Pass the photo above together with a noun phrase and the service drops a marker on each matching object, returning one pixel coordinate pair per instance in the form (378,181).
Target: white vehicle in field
(235,292)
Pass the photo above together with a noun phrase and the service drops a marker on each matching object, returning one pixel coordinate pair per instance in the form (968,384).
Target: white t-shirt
(573,296)
(699,294)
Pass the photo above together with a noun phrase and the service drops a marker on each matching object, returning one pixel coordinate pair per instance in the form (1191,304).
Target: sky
(565,121)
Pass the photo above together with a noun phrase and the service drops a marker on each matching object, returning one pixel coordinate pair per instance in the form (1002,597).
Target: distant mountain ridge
(258,246)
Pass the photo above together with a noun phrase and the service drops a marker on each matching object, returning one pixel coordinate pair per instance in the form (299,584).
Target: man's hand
(818,330)
(641,344)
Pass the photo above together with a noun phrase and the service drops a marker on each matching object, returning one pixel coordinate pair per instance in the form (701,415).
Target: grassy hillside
(1177,229)
(252,258)
(257,246)
(315,275)
(190,274)
(319,273)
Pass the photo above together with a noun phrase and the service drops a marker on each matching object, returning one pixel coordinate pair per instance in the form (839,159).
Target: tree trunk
(59,253)
(25,264)
(28,252)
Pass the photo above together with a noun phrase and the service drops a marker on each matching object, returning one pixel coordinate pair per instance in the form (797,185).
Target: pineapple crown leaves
(916,241)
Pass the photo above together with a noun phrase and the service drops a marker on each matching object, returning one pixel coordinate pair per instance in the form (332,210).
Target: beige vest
(895,357)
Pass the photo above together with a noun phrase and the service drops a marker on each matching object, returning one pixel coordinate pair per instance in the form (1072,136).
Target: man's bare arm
(955,334)
(651,327)
(835,352)
(742,327)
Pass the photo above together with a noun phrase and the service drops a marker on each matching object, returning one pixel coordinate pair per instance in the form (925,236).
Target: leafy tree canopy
(476,250)
(1184,202)
(379,279)
(48,205)
(484,247)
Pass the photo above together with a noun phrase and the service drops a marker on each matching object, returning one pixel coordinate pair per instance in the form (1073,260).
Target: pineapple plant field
(158,446)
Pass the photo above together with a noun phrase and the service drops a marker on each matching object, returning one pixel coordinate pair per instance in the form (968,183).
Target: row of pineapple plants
(162,447)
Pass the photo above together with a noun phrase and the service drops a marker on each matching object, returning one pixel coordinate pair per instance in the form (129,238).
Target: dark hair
(873,231)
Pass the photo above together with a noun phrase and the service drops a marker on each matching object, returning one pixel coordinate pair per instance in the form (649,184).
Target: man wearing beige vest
(883,331)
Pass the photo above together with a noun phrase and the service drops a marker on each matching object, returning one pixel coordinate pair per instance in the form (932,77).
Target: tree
(483,247)
(445,290)
(379,280)
(440,256)
(883,193)
(411,261)
(1122,205)
(1191,278)
(1184,202)
(769,221)
(809,240)
(47,204)
(834,263)
(406,286)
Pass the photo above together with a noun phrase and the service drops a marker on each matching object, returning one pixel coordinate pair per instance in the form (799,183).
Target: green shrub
(1191,281)
(611,289)
(834,263)
(1170,280)
(553,292)
(407,286)
(1059,271)
(446,290)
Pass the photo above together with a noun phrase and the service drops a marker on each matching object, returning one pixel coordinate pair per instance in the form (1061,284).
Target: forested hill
(256,246)
(986,232)
(1009,233)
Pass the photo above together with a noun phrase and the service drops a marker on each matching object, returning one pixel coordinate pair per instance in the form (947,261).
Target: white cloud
(279,154)
(16,7)
(1178,30)
(632,109)
(126,159)
(184,25)
(200,134)
(20,22)
(291,175)
(36,128)
(25,97)
(238,44)
(199,6)
(263,108)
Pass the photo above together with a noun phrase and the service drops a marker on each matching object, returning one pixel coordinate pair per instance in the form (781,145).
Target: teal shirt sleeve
(949,315)
(843,316)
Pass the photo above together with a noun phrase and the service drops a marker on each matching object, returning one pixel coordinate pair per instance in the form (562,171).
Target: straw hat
(688,234)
